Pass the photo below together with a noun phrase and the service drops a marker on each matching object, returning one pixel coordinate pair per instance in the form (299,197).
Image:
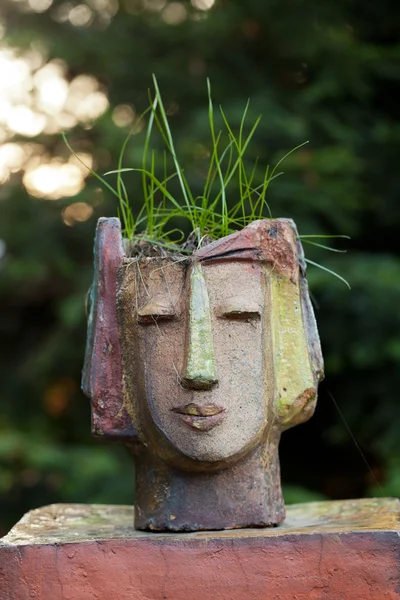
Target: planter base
(346,550)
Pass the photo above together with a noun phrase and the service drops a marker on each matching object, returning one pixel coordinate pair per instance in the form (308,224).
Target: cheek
(163,351)
(239,351)
(240,363)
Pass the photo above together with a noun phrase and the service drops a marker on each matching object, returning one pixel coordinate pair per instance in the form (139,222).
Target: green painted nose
(200,370)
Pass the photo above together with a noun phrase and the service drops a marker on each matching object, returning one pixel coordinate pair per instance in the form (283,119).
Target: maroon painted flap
(102,373)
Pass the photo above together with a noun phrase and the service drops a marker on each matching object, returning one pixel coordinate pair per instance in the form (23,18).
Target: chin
(209,454)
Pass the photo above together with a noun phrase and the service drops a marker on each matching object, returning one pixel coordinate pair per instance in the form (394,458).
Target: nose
(200,371)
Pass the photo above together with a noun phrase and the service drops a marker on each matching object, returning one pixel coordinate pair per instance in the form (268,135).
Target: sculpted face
(199,360)
(215,354)
(204,364)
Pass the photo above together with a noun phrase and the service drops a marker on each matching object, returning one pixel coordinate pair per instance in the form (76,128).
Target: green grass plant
(207,214)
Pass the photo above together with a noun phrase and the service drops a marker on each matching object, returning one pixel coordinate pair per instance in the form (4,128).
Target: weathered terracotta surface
(102,379)
(269,241)
(214,355)
(346,550)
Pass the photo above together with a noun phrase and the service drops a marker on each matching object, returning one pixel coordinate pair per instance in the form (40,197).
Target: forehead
(235,283)
(160,284)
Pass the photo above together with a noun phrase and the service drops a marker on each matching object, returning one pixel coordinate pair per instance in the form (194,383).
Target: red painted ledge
(346,550)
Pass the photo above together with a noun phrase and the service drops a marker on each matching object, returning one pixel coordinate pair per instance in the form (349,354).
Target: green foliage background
(326,71)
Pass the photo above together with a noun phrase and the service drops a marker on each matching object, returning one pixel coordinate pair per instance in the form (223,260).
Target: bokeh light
(203,4)
(40,6)
(54,180)
(174,13)
(80,15)
(36,97)
(12,157)
(25,121)
(77,212)
(123,115)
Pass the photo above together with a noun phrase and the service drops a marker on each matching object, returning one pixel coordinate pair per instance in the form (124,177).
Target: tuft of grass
(208,214)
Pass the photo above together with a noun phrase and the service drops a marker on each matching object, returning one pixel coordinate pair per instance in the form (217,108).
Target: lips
(201,417)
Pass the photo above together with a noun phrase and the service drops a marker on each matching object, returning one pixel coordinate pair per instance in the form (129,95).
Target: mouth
(200,417)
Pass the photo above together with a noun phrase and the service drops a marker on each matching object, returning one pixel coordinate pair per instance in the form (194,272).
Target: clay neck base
(248,494)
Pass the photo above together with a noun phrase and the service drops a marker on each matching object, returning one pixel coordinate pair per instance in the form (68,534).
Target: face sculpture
(200,363)
(206,381)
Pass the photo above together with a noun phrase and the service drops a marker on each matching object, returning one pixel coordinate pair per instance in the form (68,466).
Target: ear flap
(102,372)
(295,341)
(310,324)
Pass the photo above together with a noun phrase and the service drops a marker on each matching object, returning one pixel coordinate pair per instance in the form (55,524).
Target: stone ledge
(346,550)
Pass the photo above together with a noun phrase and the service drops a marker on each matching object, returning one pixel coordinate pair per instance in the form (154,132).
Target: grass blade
(183,184)
(322,236)
(215,152)
(323,246)
(288,154)
(311,262)
(99,177)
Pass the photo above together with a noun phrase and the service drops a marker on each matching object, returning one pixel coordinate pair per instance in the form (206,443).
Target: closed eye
(240,315)
(152,319)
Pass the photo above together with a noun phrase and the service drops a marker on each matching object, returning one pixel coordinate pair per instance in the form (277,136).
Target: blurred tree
(325,72)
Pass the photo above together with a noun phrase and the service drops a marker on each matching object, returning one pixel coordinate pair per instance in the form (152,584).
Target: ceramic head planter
(198,365)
